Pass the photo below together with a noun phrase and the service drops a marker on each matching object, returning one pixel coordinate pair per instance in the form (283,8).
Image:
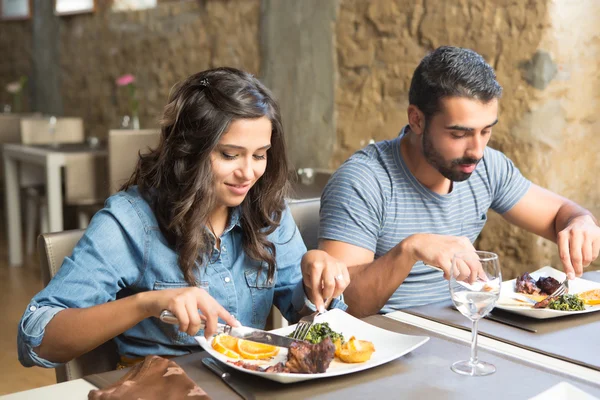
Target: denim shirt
(123,253)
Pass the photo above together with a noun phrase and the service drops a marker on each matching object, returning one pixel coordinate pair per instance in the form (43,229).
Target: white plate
(388,346)
(564,391)
(576,285)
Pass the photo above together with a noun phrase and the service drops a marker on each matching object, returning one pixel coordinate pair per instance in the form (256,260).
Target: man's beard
(446,168)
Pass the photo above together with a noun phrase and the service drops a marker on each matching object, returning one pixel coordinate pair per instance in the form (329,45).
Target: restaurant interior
(83,86)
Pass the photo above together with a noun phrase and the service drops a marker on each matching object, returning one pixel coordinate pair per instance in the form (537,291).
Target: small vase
(136,122)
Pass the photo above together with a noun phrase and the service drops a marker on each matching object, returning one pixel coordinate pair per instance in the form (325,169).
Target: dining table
(52,159)
(424,372)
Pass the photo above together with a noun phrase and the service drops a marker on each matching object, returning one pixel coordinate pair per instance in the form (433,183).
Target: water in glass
(475,298)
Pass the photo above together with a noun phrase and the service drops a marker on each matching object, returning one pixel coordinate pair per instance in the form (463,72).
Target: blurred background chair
(124,145)
(53,248)
(10,132)
(306,216)
(42,131)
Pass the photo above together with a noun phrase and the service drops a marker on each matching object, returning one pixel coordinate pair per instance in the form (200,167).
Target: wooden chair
(53,248)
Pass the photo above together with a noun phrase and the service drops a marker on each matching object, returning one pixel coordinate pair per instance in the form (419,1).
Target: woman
(200,226)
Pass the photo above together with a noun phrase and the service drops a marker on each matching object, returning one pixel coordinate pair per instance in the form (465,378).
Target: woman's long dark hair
(176,178)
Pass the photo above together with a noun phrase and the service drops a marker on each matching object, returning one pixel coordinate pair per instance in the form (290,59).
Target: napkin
(155,378)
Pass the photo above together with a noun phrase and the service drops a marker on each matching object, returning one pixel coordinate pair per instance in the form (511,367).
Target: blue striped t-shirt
(374,202)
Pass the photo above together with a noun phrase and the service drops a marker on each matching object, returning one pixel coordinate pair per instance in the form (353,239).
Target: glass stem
(474,359)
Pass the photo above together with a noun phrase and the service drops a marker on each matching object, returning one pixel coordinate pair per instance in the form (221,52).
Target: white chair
(124,145)
(35,131)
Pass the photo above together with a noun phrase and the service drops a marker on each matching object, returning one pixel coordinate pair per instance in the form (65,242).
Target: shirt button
(32,308)
(224,249)
(227,279)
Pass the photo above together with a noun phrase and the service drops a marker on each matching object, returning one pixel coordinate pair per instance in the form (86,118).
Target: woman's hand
(324,277)
(185,303)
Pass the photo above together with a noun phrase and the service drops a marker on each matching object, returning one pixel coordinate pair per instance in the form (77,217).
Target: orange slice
(226,345)
(255,351)
(591,297)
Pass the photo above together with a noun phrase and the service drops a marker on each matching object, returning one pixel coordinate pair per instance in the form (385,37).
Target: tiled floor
(17,287)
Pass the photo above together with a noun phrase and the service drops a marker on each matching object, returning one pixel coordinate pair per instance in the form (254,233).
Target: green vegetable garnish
(320,331)
(567,302)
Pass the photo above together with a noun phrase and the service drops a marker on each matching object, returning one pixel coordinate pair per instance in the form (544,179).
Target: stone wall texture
(160,46)
(15,59)
(546,57)
(546,54)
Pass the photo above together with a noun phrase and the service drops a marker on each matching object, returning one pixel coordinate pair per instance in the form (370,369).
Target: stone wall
(15,59)
(545,53)
(547,119)
(159,46)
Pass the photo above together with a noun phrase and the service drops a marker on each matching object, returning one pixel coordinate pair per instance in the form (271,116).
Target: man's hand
(439,250)
(578,244)
(324,277)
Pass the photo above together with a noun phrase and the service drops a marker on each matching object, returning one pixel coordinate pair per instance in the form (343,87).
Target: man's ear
(416,119)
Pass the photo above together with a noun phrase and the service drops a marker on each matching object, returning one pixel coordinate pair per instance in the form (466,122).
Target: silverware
(240,389)
(507,321)
(242,332)
(562,289)
(304,325)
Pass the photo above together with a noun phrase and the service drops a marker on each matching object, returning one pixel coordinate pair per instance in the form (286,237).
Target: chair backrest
(306,215)
(123,148)
(53,248)
(37,130)
(10,132)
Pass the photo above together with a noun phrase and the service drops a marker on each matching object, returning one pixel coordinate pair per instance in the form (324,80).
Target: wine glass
(475,299)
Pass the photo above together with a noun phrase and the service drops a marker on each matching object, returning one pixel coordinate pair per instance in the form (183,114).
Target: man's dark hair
(452,72)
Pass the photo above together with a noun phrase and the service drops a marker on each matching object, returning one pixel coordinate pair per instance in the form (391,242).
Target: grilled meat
(544,303)
(547,284)
(306,358)
(526,284)
(279,367)
(252,367)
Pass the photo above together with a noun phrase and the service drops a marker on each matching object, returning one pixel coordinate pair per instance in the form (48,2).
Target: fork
(562,289)
(304,326)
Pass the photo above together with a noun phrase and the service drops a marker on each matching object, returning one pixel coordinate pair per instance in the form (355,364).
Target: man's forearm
(567,213)
(371,285)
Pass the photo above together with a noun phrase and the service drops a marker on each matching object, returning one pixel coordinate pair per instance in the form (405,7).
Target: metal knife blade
(507,321)
(242,332)
(227,378)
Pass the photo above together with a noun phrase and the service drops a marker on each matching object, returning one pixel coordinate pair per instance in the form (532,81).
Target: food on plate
(541,290)
(547,284)
(590,297)
(354,350)
(226,345)
(306,358)
(526,284)
(544,302)
(255,351)
(567,302)
(320,331)
(238,348)
(303,358)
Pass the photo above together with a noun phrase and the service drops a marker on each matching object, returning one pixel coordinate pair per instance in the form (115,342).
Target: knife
(242,332)
(227,378)
(507,321)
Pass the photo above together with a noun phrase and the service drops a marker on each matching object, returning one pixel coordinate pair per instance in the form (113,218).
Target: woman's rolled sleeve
(31,333)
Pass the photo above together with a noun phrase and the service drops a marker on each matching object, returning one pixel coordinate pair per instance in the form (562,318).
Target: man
(398,206)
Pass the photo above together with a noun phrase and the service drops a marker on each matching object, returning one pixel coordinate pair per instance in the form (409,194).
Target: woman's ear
(416,119)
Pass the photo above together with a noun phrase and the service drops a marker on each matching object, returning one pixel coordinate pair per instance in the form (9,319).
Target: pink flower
(125,80)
